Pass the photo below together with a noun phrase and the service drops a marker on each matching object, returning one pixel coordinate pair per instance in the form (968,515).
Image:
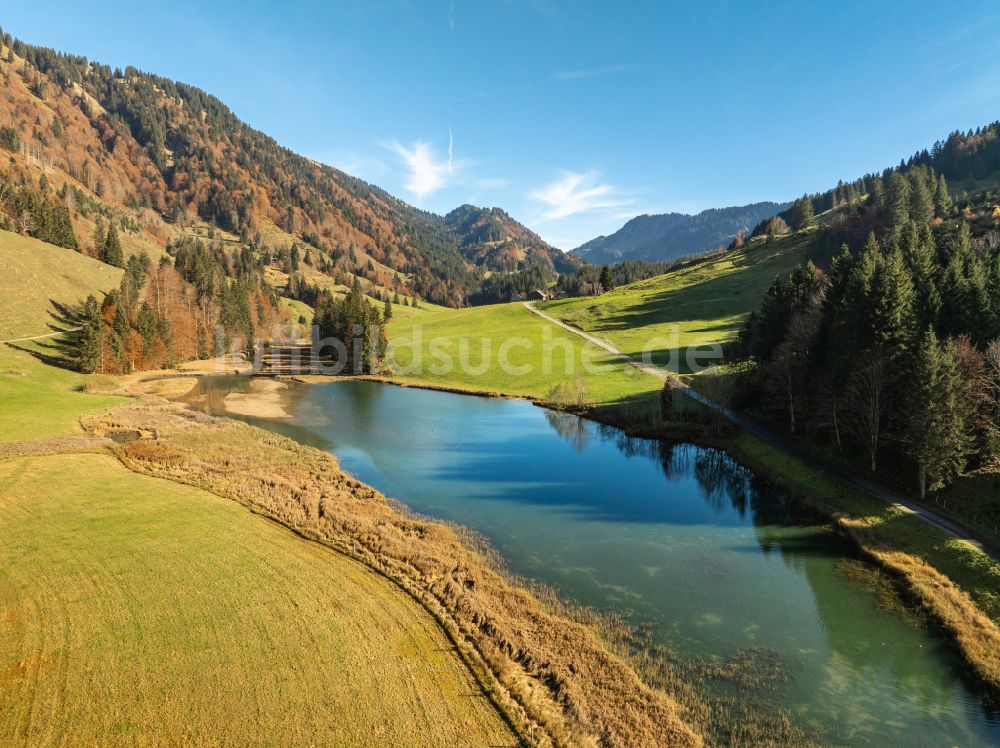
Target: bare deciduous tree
(991,386)
(785,372)
(866,403)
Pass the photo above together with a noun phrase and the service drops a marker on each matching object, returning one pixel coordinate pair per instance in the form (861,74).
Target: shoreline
(949,605)
(973,632)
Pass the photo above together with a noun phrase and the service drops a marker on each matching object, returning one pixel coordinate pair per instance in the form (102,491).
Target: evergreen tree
(966,304)
(878,195)
(607,279)
(147,326)
(942,198)
(773,320)
(857,322)
(937,432)
(119,330)
(387,309)
(111,250)
(919,253)
(921,198)
(898,199)
(91,349)
(98,236)
(802,214)
(892,310)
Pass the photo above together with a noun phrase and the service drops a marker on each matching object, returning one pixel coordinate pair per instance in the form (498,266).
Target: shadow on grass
(60,350)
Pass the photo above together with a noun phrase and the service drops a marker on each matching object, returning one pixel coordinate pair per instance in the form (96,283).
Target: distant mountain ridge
(668,236)
(489,238)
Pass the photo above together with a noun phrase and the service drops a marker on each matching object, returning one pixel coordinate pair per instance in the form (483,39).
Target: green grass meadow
(539,355)
(38,400)
(34,274)
(700,304)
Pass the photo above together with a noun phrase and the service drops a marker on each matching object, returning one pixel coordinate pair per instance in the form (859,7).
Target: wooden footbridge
(286,359)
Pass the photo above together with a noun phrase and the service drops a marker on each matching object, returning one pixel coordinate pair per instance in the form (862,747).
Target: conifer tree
(878,195)
(937,432)
(892,310)
(111,250)
(921,198)
(119,330)
(802,215)
(147,326)
(919,253)
(942,198)
(858,307)
(387,309)
(98,236)
(966,306)
(91,349)
(607,280)
(898,199)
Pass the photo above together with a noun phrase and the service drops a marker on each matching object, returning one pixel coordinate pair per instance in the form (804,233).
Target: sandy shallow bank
(268,398)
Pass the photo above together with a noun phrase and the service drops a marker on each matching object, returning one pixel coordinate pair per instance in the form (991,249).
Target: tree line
(357,325)
(173,311)
(892,353)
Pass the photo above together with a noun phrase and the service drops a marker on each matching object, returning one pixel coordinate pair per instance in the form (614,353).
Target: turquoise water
(719,566)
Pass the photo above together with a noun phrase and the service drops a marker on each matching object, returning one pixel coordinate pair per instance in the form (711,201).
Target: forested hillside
(491,239)
(161,159)
(885,346)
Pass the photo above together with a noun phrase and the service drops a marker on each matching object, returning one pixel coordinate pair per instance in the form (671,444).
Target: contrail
(451,148)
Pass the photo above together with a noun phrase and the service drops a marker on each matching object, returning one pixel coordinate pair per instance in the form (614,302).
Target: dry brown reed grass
(976,635)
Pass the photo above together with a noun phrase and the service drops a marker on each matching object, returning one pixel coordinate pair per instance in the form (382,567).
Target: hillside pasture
(34,274)
(697,305)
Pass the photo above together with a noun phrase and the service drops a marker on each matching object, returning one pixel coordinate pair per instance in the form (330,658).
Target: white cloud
(577,193)
(451,150)
(427,174)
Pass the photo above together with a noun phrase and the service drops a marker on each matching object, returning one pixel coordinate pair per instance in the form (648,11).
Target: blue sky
(572,116)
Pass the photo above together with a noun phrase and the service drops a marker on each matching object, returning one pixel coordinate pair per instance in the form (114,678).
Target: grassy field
(133,608)
(33,274)
(486,330)
(692,306)
(696,305)
(38,401)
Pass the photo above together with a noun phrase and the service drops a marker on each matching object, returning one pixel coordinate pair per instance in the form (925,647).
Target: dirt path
(41,337)
(928,515)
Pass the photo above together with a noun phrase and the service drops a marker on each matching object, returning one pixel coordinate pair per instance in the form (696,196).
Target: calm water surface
(718,565)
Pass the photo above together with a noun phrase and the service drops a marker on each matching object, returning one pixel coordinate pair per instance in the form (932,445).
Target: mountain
(672,235)
(491,239)
(165,161)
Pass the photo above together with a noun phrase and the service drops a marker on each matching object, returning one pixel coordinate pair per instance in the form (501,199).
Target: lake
(762,602)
